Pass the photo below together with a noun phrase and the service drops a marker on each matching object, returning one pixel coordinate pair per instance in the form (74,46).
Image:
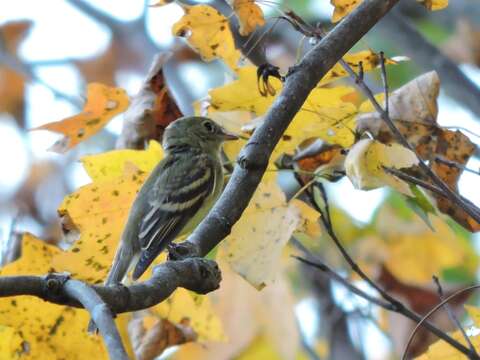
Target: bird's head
(196,131)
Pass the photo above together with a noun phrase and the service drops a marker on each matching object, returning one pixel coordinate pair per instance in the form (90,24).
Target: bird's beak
(228,135)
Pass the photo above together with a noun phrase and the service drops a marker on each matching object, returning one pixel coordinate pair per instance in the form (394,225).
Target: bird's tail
(121,264)
(144,261)
(124,259)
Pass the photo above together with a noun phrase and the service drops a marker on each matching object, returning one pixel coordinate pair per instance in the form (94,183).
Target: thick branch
(254,157)
(195,274)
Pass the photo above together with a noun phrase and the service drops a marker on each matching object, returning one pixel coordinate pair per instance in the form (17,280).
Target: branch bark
(254,157)
(101,314)
(199,275)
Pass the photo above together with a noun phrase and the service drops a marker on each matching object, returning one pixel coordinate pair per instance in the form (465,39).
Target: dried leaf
(413,108)
(322,160)
(457,148)
(151,109)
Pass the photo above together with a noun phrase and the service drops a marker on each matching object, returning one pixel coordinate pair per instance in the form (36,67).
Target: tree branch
(101,315)
(196,274)
(390,302)
(254,157)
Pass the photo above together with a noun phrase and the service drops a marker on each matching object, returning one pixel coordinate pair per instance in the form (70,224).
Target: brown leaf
(151,109)
(457,148)
(320,157)
(151,336)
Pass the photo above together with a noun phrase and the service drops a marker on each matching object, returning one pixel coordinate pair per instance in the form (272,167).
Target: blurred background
(50,50)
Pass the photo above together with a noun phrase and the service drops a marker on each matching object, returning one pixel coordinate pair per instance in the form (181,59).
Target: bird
(176,196)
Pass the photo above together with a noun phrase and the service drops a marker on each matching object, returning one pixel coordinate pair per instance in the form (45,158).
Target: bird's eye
(209,126)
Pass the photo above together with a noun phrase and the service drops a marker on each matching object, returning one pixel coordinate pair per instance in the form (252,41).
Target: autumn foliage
(337,134)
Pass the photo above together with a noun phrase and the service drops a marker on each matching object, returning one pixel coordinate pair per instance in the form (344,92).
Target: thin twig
(384,80)
(431,312)
(334,276)
(413,180)
(452,316)
(395,305)
(416,181)
(456,165)
(101,315)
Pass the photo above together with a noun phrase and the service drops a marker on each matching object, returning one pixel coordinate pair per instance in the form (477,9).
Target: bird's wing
(181,188)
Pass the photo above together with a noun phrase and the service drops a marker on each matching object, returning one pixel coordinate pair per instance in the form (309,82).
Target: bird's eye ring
(209,126)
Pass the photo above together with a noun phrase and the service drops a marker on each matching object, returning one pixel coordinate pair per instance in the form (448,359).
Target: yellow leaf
(474,313)
(243,94)
(255,245)
(434,4)
(325,113)
(99,211)
(208,33)
(343,8)
(366,159)
(10,343)
(111,164)
(309,219)
(36,258)
(249,15)
(47,330)
(103,103)
(414,252)
(440,350)
(197,309)
(247,313)
(369,59)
